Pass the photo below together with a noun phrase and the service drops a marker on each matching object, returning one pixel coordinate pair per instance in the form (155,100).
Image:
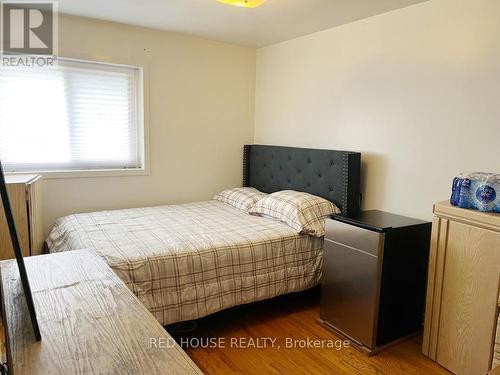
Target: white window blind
(75,115)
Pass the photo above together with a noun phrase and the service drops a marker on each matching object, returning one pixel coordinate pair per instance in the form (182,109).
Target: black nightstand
(374,277)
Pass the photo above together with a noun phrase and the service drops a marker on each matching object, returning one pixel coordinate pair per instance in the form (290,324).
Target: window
(74,116)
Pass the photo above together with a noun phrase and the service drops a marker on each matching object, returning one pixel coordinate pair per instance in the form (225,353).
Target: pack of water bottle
(477,191)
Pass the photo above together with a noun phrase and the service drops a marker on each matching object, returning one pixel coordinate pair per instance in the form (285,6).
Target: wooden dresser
(24,195)
(463,290)
(496,352)
(90,322)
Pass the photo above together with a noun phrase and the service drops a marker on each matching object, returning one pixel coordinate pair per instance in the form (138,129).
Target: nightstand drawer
(355,237)
(349,292)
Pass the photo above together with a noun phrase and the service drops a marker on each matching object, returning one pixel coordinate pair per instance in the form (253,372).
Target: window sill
(89,173)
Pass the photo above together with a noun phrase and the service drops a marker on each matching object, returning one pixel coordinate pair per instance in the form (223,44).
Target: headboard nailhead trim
(246,160)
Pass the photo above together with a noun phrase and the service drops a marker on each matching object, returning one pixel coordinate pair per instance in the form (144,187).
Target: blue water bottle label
(486,194)
(455,191)
(485,197)
(464,199)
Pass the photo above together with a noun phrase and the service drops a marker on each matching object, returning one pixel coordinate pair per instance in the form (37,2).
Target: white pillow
(304,212)
(241,198)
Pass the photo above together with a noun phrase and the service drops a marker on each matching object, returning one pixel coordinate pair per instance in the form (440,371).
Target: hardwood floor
(292,317)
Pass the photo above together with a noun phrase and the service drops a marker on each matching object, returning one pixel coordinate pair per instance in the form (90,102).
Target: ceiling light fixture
(243,3)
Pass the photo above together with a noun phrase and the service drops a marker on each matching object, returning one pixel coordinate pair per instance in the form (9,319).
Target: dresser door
(18,203)
(35,216)
(462,300)
(350,283)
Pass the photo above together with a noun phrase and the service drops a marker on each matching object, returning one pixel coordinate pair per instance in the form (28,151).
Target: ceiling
(275,21)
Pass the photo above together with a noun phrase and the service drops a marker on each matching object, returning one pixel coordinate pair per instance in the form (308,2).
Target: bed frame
(333,175)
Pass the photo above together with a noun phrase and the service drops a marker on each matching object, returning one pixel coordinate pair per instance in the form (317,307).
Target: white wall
(416,90)
(201,112)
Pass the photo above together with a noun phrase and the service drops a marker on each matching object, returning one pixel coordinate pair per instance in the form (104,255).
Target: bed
(190,260)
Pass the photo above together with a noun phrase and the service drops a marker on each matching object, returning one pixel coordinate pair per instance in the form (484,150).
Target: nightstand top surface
(378,220)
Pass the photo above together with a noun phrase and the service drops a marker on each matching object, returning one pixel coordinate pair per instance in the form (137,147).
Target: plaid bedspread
(187,261)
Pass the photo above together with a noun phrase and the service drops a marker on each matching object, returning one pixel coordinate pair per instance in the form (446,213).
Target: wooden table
(89,320)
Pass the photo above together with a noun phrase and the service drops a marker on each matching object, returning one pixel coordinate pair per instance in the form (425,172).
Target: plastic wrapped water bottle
(478,190)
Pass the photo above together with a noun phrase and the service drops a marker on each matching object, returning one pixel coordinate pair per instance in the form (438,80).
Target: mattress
(187,261)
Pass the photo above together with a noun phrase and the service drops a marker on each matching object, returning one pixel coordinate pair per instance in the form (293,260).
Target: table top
(379,220)
(90,322)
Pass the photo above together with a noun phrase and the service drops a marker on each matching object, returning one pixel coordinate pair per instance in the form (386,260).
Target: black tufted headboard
(333,175)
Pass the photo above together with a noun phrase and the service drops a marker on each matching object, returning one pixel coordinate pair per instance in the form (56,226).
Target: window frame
(142,104)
